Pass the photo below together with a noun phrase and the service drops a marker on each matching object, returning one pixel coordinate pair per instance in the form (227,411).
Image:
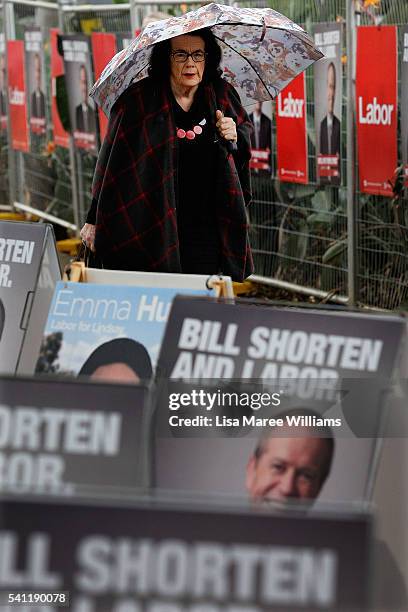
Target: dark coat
(80,119)
(38,105)
(335,137)
(265,132)
(134,203)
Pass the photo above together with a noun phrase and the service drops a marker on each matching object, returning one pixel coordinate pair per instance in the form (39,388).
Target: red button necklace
(191,134)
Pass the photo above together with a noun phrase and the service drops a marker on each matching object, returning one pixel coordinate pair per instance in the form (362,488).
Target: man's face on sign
(83,85)
(288,468)
(331,89)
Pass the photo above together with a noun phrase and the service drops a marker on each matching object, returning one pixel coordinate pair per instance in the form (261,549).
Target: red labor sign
(103,49)
(17,95)
(61,137)
(376,101)
(291,132)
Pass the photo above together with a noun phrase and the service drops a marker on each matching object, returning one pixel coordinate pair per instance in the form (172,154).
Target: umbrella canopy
(262,51)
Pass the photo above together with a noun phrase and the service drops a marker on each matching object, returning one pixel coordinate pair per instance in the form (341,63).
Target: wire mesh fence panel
(143,10)
(294,228)
(42,174)
(299,233)
(80,21)
(76,20)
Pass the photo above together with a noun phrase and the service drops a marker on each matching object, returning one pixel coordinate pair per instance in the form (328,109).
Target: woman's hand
(226,127)
(87,234)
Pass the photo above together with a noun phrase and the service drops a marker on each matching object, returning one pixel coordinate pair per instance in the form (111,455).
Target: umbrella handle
(232,146)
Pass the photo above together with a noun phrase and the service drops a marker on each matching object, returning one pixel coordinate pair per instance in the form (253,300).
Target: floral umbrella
(262,51)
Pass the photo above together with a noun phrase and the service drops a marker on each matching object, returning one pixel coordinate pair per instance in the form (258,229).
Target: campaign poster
(291,134)
(61,137)
(28,272)
(328,95)
(98,327)
(35,82)
(3,85)
(376,99)
(183,557)
(79,79)
(214,428)
(17,95)
(103,49)
(404,103)
(83,437)
(260,115)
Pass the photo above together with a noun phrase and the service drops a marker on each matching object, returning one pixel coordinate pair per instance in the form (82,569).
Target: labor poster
(105,331)
(328,95)
(239,379)
(61,137)
(103,49)
(79,79)
(404,103)
(3,85)
(260,115)
(179,557)
(36,85)
(17,95)
(28,273)
(376,108)
(82,437)
(291,132)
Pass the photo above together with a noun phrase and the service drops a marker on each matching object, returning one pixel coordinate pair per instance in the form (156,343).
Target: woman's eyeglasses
(182,56)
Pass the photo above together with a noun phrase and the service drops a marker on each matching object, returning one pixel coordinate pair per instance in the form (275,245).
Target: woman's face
(188,73)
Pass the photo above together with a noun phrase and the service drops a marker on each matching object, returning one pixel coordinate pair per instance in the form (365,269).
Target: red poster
(103,49)
(291,132)
(61,137)
(17,95)
(376,99)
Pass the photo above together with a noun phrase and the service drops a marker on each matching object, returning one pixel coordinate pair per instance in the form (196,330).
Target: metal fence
(300,233)
(40,179)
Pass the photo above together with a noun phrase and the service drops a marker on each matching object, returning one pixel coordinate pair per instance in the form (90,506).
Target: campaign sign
(235,373)
(96,325)
(35,80)
(29,269)
(61,136)
(79,79)
(328,96)
(3,85)
(17,95)
(103,49)
(184,558)
(59,437)
(377,107)
(291,134)
(404,103)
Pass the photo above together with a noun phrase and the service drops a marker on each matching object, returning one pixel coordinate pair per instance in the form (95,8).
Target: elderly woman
(172,178)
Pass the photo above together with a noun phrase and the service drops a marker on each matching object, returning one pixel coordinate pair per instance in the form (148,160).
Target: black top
(195,190)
